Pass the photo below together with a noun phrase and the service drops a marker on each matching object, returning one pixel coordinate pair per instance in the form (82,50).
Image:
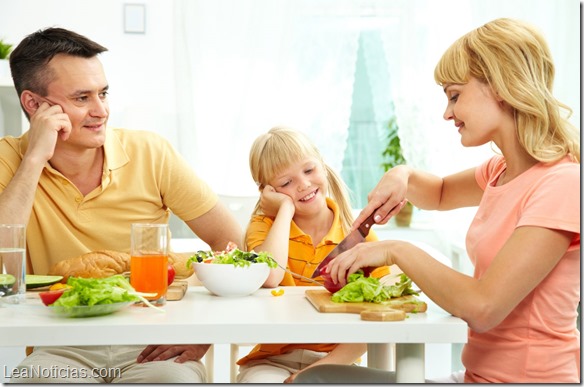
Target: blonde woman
(521,303)
(302,214)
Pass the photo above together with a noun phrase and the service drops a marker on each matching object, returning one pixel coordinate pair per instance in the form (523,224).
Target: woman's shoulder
(489,170)
(564,169)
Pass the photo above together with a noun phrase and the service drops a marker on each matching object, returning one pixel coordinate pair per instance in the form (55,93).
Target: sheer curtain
(245,66)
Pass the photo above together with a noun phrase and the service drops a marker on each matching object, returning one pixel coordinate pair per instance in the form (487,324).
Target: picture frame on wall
(134,18)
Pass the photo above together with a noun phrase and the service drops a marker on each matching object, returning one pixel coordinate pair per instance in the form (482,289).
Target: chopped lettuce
(234,257)
(368,289)
(97,291)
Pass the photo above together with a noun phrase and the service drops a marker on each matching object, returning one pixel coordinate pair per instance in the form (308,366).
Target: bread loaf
(95,264)
(105,263)
(179,262)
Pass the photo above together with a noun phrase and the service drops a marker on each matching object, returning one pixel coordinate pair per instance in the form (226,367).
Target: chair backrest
(240,206)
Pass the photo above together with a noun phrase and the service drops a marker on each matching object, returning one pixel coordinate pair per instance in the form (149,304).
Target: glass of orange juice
(149,260)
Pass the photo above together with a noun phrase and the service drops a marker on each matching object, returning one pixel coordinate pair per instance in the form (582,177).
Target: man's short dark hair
(28,61)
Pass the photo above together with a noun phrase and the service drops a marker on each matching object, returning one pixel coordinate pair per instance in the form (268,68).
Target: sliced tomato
(329,284)
(49,297)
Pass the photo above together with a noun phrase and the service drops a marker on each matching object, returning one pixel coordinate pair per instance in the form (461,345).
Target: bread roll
(105,263)
(179,262)
(95,264)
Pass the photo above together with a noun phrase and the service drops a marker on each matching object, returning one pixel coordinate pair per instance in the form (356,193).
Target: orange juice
(149,274)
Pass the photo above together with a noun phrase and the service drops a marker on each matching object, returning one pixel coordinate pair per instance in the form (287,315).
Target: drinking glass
(149,260)
(13,263)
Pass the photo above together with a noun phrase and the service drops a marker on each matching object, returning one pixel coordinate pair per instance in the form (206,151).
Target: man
(78,187)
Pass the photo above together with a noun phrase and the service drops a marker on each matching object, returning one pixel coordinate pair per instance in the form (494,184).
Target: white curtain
(247,65)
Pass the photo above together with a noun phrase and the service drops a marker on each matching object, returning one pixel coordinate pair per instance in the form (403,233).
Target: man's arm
(47,122)
(17,199)
(217,227)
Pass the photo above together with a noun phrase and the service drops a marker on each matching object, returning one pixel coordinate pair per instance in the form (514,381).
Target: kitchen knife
(355,237)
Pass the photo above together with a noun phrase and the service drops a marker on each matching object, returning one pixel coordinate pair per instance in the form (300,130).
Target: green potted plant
(5,50)
(393,156)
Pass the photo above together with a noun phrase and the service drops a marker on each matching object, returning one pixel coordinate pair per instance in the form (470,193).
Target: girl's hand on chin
(271,201)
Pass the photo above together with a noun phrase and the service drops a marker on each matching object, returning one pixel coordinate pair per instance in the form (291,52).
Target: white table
(203,318)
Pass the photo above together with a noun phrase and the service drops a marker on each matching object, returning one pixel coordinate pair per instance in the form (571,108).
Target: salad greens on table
(97,291)
(234,257)
(368,289)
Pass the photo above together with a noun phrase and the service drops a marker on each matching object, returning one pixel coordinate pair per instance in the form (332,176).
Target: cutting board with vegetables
(394,309)
(176,291)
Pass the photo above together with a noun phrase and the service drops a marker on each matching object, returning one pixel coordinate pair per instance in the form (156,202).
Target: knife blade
(355,237)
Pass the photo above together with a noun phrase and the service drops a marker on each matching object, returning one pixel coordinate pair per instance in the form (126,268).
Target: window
(370,114)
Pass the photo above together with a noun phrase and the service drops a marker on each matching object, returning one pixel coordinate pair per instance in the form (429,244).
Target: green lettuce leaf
(96,291)
(368,289)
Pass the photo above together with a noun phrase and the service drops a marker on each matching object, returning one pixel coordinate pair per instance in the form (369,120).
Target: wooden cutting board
(392,310)
(176,291)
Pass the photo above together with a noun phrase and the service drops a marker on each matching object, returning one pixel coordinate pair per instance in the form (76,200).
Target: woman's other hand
(369,254)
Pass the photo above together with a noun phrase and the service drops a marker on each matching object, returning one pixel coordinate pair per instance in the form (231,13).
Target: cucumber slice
(37,281)
(7,279)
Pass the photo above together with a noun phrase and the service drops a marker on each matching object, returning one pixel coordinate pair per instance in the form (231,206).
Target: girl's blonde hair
(275,150)
(514,59)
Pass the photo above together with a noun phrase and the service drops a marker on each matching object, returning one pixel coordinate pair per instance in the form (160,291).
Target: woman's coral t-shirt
(538,341)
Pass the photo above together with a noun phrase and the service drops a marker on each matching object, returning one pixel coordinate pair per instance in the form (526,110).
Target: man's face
(79,86)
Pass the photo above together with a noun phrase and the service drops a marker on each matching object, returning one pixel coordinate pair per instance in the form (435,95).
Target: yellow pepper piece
(59,286)
(277,292)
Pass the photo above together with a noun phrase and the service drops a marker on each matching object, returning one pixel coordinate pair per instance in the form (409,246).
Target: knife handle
(366,225)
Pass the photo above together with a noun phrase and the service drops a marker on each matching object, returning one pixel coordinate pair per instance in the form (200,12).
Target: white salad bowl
(228,280)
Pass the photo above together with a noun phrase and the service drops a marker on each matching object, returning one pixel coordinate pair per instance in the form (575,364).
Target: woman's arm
(422,189)
(524,261)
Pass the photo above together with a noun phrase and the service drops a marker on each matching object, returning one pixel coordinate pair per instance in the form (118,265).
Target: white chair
(240,206)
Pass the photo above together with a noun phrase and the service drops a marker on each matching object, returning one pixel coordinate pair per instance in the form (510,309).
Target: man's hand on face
(48,122)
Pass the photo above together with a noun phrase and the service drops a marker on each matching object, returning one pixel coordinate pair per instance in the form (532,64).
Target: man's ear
(29,102)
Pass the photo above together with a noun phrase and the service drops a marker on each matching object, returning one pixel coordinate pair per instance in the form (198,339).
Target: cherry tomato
(171,274)
(49,297)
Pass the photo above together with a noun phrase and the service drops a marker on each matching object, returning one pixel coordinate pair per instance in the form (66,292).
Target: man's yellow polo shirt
(303,258)
(143,179)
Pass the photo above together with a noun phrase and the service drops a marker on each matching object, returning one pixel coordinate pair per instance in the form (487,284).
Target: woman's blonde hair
(514,59)
(277,149)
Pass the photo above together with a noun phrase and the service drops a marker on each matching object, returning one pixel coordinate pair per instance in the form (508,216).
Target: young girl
(302,214)
(521,304)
